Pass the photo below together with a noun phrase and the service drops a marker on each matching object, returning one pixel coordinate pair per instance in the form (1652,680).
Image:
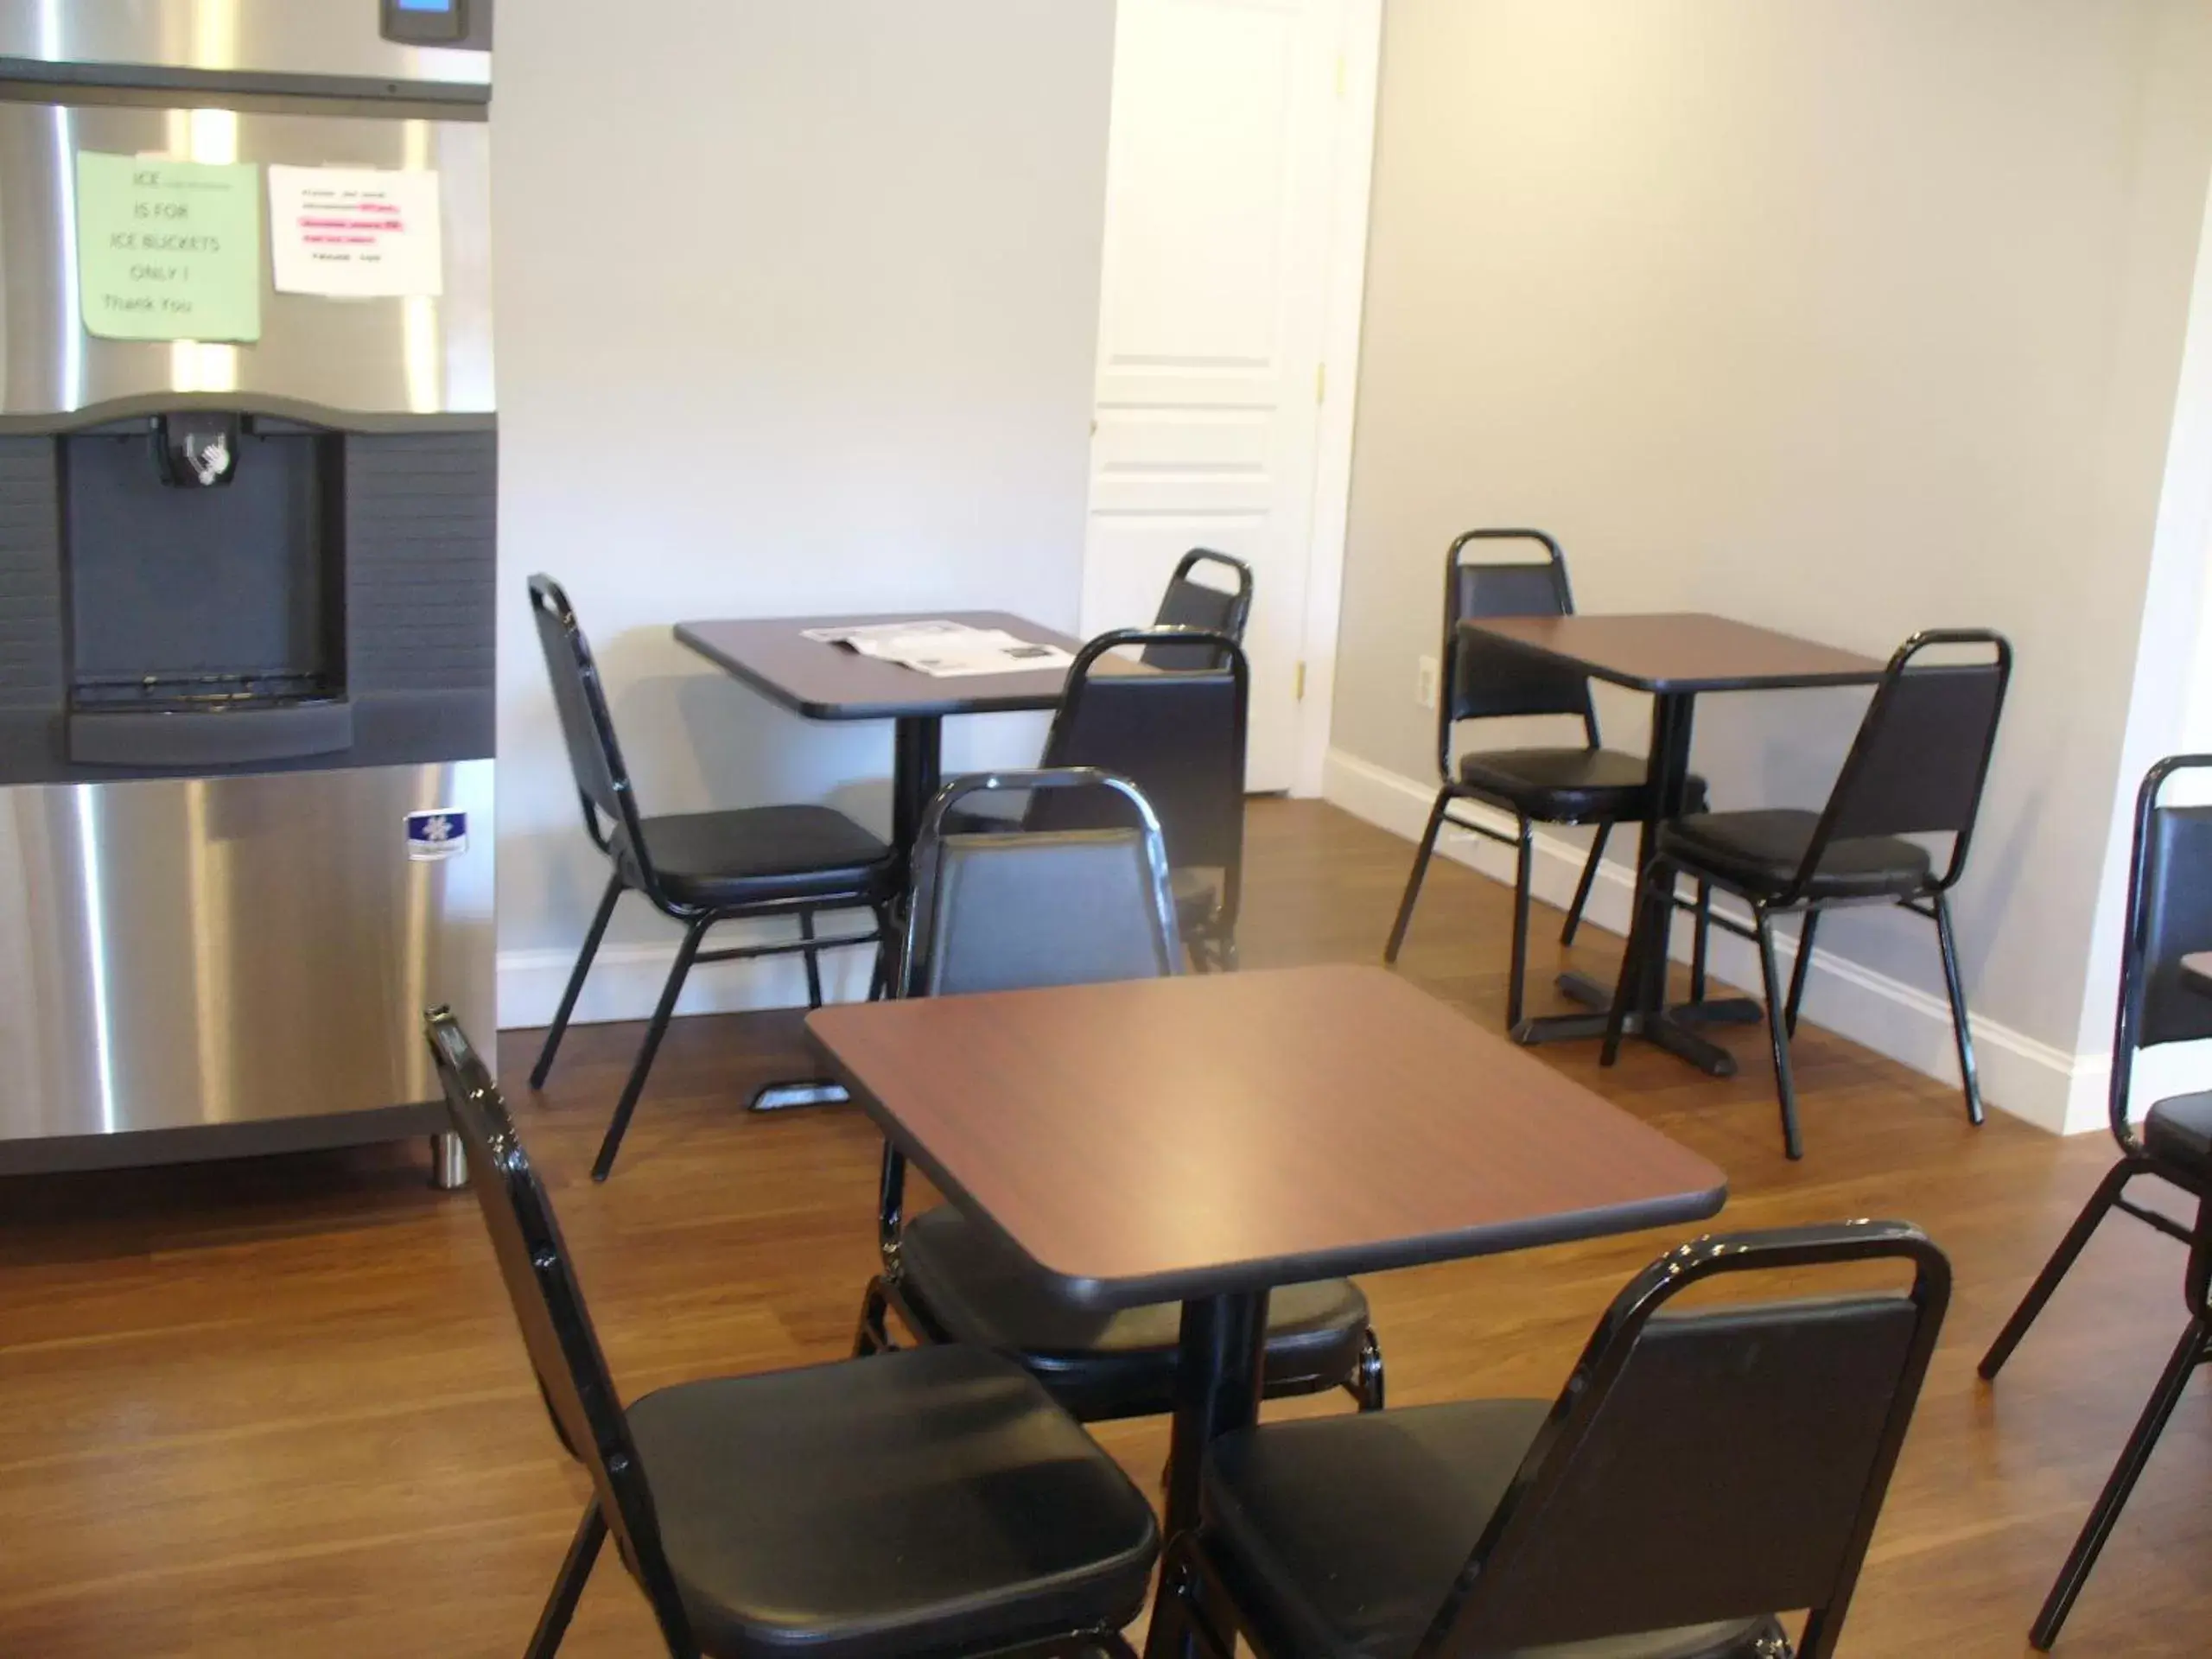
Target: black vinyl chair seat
(979,1290)
(765,854)
(1352,1530)
(1567,785)
(929,1500)
(2179,1131)
(1763,850)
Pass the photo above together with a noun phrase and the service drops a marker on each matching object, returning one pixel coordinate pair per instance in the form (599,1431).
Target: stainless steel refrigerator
(248,466)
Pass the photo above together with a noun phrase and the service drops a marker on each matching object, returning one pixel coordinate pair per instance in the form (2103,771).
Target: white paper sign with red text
(355,233)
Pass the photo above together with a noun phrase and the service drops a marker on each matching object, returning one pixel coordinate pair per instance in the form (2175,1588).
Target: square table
(1673,657)
(824,682)
(1201,1139)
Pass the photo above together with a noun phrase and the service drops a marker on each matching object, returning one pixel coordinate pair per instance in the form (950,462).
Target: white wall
(798,303)
(1849,317)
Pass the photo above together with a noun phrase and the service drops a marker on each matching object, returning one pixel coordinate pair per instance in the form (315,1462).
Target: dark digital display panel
(426,22)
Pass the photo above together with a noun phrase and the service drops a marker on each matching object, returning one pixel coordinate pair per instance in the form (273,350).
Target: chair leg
(1960,1029)
(1582,887)
(1413,881)
(1700,941)
(1777,1026)
(1365,1383)
(2189,1353)
(1523,855)
(872,1336)
(554,1033)
(678,971)
(2061,1262)
(561,1605)
(887,954)
(1797,974)
(813,958)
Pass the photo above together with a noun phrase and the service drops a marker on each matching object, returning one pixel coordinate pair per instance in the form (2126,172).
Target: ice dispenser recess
(205,556)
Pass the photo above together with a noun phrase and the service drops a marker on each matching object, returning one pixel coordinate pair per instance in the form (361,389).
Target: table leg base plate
(1670,1030)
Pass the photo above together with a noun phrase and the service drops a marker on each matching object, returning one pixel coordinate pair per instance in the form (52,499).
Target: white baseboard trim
(626,978)
(2023,1076)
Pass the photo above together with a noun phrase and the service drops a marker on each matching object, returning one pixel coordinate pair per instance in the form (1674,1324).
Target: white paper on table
(945,650)
(355,233)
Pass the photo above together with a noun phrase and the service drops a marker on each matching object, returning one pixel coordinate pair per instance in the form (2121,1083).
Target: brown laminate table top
(2197,972)
(774,656)
(1162,1140)
(1681,652)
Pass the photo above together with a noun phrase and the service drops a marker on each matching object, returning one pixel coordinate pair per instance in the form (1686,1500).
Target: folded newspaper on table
(944,650)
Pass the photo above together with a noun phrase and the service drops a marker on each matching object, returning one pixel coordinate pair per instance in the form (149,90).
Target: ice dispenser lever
(196,450)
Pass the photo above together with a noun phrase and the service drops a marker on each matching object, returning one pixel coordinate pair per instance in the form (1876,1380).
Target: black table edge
(1869,676)
(1273,1273)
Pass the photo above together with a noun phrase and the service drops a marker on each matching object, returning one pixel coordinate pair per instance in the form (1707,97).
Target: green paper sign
(169,250)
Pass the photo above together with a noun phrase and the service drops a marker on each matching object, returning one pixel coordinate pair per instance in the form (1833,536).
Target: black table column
(1218,1367)
(917,768)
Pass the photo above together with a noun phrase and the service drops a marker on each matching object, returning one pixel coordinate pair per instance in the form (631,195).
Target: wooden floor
(280,1407)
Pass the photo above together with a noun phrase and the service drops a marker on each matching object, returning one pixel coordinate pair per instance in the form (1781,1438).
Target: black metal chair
(1189,603)
(1916,768)
(1179,736)
(1701,1474)
(1207,893)
(1574,785)
(1032,908)
(934,1502)
(2169,915)
(697,868)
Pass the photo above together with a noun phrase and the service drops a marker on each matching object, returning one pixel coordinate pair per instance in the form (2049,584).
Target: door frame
(1359,70)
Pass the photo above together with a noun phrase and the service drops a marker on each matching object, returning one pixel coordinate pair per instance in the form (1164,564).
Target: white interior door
(1212,315)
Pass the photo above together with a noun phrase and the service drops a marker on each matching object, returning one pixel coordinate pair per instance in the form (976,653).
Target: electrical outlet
(1425,681)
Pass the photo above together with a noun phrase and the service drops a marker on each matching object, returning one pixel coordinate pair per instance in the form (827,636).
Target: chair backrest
(588,728)
(1020,909)
(1709,1465)
(1486,683)
(2169,915)
(1178,736)
(1922,755)
(1189,603)
(548,1306)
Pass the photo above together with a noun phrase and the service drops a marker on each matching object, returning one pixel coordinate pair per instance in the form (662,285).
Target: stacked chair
(1027,908)
(2169,917)
(699,869)
(1178,734)
(933,1501)
(1578,784)
(1916,769)
(1700,1473)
